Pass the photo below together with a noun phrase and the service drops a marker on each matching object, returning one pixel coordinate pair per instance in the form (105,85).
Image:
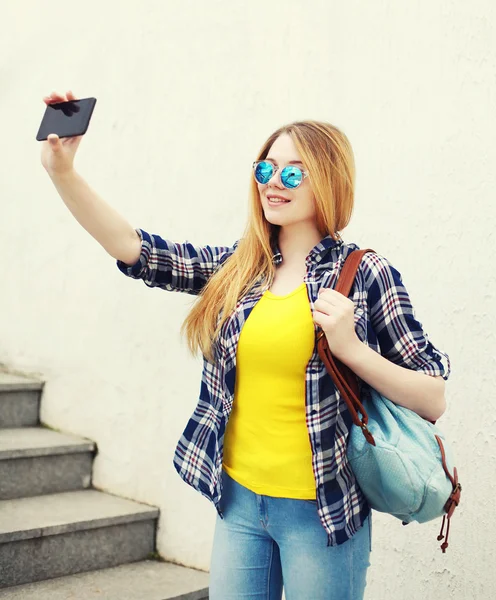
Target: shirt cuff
(136,270)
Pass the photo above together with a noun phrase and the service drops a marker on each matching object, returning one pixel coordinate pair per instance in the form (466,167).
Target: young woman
(266,443)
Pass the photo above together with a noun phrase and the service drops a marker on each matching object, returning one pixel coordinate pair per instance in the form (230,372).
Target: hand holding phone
(65,121)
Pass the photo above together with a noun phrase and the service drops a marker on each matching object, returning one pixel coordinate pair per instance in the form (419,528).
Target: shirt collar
(315,255)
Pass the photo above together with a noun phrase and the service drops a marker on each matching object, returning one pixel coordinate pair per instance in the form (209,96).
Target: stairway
(60,538)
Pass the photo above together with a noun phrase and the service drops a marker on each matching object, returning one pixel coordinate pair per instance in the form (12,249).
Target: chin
(273,221)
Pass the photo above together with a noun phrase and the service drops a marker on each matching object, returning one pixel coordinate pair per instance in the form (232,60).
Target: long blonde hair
(327,155)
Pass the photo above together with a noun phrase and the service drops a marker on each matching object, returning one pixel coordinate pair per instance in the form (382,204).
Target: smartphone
(66,119)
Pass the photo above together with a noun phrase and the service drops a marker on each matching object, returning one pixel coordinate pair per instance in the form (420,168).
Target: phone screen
(66,119)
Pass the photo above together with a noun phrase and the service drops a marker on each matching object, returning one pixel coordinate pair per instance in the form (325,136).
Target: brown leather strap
(346,381)
(454,498)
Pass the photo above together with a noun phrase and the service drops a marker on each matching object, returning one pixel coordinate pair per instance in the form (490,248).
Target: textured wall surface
(187,92)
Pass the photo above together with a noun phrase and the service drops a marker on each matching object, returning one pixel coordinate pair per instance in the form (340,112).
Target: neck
(295,243)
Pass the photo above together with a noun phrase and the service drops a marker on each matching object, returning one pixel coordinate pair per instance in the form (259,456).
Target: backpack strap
(344,378)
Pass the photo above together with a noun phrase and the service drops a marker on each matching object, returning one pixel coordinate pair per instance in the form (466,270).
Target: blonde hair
(328,157)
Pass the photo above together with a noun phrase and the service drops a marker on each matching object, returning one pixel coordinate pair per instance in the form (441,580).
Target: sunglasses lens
(263,171)
(291,177)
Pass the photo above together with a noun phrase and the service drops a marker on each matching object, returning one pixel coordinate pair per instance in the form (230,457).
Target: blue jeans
(264,542)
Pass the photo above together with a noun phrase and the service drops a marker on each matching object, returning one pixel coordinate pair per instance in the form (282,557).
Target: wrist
(62,176)
(353,353)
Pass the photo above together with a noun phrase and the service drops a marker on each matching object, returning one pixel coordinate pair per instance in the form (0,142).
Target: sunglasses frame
(276,168)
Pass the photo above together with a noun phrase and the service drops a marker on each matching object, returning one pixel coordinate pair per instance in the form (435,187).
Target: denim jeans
(265,542)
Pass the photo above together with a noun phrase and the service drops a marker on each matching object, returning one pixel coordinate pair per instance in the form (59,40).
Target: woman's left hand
(335,314)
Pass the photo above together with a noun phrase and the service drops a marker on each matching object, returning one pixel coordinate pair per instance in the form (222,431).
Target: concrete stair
(145,580)
(35,461)
(60,538)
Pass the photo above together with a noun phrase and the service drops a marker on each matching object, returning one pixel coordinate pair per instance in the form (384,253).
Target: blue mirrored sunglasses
(291,176)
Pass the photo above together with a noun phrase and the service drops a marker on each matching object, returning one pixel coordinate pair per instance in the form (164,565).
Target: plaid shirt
(384,320)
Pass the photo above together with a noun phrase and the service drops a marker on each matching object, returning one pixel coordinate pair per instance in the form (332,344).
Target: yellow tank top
(266,444)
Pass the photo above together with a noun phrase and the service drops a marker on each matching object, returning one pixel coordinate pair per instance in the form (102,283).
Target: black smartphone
(66,119)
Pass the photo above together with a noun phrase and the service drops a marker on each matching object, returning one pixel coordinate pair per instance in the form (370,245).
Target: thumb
(53,138)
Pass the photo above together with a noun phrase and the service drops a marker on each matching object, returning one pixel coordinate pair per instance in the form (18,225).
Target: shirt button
(314,412)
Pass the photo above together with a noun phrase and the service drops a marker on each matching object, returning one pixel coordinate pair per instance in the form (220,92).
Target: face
(301,206)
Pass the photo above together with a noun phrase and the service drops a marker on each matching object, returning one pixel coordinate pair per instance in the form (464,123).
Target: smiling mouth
(275,200)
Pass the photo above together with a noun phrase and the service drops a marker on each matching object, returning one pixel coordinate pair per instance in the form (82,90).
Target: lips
(275,197)
(277,200)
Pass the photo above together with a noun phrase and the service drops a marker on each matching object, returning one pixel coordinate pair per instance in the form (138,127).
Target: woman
(266,443)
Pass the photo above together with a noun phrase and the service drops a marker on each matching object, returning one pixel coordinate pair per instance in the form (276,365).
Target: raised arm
(99,219)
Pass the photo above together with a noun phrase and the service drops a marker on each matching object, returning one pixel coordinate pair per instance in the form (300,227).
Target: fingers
(53,139)
(55,97)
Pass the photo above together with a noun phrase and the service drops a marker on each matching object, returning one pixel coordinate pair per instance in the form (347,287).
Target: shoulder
(372,263)
(375,265)
(374,268)
(229,252)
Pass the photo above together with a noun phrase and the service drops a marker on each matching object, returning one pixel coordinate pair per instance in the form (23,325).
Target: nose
(276,179)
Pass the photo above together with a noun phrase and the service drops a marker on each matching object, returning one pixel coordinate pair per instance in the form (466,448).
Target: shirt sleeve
(173,266)
(400,334)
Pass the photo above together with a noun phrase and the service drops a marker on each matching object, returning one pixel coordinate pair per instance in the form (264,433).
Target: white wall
(182,86)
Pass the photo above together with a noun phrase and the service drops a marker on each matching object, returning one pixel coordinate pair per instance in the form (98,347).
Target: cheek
(313,204)
(307,203)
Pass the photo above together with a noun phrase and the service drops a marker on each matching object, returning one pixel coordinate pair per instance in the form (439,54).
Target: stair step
(71,532)
(35,461)
(40,441)
(146,580)
(19,400)
(11,382)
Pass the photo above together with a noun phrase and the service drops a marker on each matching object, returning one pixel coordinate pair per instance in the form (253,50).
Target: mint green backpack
(400,460)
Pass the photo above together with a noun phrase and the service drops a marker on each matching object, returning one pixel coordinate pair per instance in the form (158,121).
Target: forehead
(283,150)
